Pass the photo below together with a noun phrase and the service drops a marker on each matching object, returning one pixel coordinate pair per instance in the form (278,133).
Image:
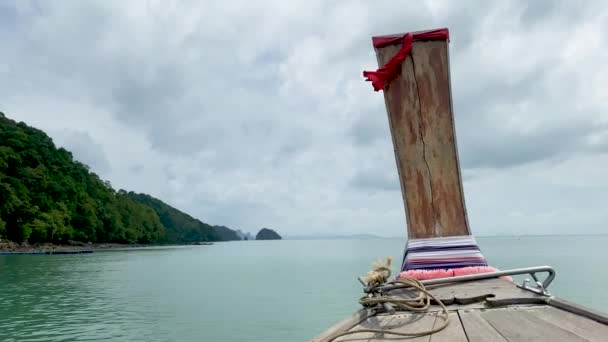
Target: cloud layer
(253,115)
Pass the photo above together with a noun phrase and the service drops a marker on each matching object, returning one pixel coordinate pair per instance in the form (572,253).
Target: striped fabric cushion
(442,253)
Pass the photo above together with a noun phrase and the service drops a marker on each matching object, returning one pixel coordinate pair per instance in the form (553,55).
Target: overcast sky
(252,114)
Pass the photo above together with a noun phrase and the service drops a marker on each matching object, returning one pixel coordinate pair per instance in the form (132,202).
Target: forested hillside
(181,227)
(47,196)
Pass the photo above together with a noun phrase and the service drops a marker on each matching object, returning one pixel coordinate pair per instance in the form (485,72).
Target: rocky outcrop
(267,234)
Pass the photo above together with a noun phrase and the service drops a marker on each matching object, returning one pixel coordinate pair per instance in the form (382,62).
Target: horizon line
(286,237)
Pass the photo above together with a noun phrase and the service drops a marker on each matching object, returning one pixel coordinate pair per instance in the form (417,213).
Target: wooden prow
(419,106)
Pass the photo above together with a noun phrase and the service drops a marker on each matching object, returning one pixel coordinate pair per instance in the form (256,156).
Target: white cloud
(256,114)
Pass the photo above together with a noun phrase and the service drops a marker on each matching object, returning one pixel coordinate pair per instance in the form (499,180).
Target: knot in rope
(418,300)
(379,274)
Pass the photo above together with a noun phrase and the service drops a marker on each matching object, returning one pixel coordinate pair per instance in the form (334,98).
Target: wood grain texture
(376,322)
(344,325)
(407,322)
(419,108)
(452,333)
(521,326)
(584,327)
(578,309)
(411,323)
(481,294)
(480,321)
(478,329)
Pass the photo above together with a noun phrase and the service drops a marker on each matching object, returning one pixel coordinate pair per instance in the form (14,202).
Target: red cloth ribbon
(381,77)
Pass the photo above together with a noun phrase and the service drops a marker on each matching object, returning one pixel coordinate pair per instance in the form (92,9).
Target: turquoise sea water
(240,291)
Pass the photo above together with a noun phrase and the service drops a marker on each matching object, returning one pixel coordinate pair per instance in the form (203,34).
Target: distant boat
(446,291)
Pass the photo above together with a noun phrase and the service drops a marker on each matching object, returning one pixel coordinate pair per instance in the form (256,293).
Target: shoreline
(8,248)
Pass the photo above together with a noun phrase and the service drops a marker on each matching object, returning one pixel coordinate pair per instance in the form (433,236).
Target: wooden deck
(489,310)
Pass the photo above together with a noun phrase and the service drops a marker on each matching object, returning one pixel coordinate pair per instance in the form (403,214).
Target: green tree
(47,196)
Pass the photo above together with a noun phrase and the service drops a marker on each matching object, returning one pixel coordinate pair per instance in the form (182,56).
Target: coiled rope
(420,302)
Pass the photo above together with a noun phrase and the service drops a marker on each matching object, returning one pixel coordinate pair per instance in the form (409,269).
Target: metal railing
(541,287)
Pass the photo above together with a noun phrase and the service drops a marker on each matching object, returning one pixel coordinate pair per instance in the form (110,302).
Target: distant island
(245,236)
(48,197)
(267,234)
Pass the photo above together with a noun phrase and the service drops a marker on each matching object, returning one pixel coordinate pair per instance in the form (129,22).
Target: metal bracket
(540,288)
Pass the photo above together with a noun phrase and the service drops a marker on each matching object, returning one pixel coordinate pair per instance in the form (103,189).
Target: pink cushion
(446,273)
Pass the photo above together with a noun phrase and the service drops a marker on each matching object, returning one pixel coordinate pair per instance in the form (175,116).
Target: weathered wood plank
(376,322)
(407,322)
(410,323)
(496,287)
(419,107)
(402,107)
(431,64)
(489,292)
(563,304)
(478,329)
(521,326)
(584,327)
(343,325)
(452,333)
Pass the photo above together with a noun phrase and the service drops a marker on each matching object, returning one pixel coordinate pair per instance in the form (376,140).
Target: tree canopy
(48,196)
(181,227)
